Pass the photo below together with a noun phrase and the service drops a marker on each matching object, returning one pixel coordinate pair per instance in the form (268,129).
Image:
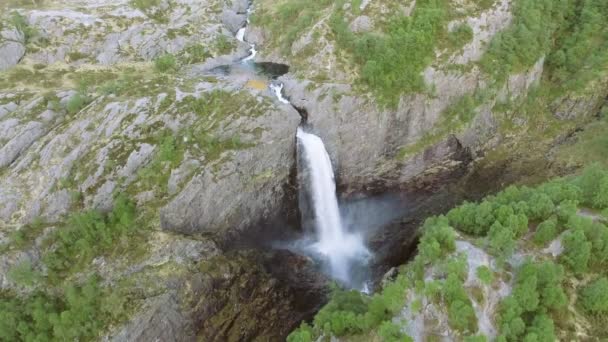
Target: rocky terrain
(106,100)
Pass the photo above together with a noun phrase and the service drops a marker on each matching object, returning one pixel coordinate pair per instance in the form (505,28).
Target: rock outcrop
(12,47)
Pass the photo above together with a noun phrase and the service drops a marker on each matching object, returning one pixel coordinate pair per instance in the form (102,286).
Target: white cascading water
(341,248)
(240,35)
(278,92)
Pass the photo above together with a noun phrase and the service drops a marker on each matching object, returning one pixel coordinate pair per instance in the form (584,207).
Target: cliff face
(374,143)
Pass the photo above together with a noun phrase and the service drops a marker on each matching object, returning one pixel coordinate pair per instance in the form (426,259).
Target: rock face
(12,47)
(237,297)
(253,187)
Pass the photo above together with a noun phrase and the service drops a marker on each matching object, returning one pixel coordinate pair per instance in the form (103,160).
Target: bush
(460,36)
(438,239)
(78,313)
(546,231)
(594,297)
(391,332)
(20,23)
(577,251)
(501,240)
(88,234)
(165,63)
(77,102)
(303,334)
(538,289)
(485,275)
(144,4)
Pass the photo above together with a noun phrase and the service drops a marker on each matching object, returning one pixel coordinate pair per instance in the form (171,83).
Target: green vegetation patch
(56,306)
(538,304)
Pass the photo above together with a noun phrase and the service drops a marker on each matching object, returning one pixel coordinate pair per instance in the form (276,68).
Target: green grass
(77,102)
(165,63)
(144,5)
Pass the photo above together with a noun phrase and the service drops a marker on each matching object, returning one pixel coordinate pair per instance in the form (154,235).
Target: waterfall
(341,249)
(240,35)
(277,89)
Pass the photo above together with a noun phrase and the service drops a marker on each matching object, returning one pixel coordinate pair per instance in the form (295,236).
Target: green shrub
(438,239)
(390,332)
(577,251)
(144,5)
(501,240)
(594,297)
(223,45)
(527,39)
(460,36)
(485,275)
(165,63)
(195,54)
(538,289)
(87,235)
(21,24)
(77,102)
(302,334)
(77,313)
(546,231)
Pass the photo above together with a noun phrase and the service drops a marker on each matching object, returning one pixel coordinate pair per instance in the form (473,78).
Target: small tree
(594,297)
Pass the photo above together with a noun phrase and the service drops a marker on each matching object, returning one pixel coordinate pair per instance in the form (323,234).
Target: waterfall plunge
(342,249)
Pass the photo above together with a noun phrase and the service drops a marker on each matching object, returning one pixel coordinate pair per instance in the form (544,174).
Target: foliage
(484,273)
(291,18)
(460,36)
(165,63)
(384,66)
(438,239)
(581,50)
(193,54)
(20,23)
(594,297)
(546,231)
(577,251)
(77,102)
(144,4)
(77,313)
(538,289)
(88,234)
(527,39)
(498,222)
(223,45)
(351,312)
(390,332)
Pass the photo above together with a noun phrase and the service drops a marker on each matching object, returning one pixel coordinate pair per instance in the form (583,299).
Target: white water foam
(277,89)
(342,249)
